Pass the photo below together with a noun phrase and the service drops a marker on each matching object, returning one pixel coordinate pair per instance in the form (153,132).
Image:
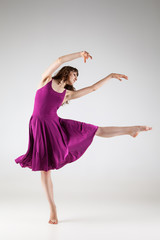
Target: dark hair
(63,73)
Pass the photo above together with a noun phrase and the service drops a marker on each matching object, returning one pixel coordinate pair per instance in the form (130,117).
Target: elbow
(59,60)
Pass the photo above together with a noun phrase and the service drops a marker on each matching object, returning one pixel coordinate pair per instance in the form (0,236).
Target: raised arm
(104,80)
(84,91)
(69,57)
(72,56)
(51,69)
(66,58)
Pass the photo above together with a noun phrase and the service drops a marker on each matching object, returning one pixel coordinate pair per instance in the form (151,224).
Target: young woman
(54,141)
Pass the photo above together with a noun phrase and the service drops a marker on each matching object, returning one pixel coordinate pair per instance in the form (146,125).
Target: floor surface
(28,219)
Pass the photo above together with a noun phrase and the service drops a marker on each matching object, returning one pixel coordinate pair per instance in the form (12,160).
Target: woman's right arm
(56,64)
(51,69)
(72,56)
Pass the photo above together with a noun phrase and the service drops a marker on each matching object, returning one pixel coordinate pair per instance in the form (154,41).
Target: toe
(148,128)
(53,221)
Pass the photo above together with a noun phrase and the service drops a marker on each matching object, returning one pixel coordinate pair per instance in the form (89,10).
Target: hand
(85,55)
(118,76)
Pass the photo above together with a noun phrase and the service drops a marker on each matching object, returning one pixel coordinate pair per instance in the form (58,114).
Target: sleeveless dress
(54,141)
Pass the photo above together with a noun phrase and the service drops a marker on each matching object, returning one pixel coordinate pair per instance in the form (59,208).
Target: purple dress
(54,141)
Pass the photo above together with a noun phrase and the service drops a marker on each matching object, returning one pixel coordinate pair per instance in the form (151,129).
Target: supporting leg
(48,187)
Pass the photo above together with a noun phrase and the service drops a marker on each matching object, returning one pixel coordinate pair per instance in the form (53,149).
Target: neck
(61,84)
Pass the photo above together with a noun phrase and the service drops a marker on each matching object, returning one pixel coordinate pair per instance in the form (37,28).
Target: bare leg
(116,131)
(48,187)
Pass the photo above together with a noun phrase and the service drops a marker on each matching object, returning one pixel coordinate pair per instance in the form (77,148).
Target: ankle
(128,130)
(53,207)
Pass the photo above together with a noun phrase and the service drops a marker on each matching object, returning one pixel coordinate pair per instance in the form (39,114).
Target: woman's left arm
(86,90)
(104,80)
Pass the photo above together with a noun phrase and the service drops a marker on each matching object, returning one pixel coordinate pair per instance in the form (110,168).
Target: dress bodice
(47,101)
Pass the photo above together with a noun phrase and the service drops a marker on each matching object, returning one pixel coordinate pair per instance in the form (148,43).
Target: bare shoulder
(43,81)
(68,95)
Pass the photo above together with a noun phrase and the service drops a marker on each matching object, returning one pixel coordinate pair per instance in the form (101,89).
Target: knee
(99,131)
(45,174)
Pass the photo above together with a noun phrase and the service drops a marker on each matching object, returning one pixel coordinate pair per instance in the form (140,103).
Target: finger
(86,58)
(124,76)
(89,56)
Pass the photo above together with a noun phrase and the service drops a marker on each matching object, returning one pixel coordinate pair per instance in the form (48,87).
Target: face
(72,77)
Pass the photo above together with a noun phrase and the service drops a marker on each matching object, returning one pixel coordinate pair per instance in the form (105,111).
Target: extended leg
(116,131)
(48,187)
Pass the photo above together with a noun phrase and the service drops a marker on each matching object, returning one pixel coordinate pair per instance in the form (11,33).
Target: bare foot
(136,129)
(53,216)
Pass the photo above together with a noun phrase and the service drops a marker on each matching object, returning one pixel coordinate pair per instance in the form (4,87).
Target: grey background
(122,37)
